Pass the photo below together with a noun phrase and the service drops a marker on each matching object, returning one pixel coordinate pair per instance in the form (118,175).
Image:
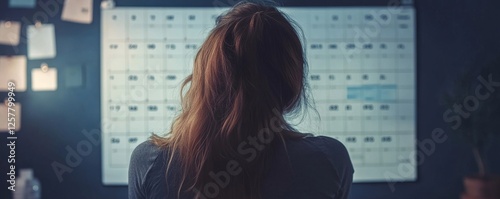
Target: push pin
(107,4)
(38,24)
(7,24)
(44,67)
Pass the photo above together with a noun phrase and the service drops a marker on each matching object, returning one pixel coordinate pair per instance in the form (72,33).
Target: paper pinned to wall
(79,11)
(22,3)
(5,117)
(10,32)
(44,79)
(13,69)
(41,41)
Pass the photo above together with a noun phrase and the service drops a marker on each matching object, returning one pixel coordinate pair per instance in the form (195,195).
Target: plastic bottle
(27,186)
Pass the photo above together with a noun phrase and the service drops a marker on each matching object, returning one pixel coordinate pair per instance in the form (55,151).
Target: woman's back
(231,139)
(304,168)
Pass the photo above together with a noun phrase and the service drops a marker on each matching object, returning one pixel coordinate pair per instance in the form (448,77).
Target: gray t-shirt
(309,168)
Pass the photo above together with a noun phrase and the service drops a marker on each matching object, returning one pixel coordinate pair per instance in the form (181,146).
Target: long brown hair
(247,75)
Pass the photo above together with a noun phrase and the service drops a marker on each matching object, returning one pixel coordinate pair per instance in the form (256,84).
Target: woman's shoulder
(146,151)
(143,159)
(318,143)
(320,167)
(328,145)
(322,147)
(321,140)
(147,171)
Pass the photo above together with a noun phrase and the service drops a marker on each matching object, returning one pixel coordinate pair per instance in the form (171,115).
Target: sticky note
(73,76)
(22,3)
(13,69)
(79,11)
(41,42)
(10,33)
(44,80)
(10,121)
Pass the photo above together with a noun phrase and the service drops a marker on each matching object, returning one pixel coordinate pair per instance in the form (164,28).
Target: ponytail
(247,74)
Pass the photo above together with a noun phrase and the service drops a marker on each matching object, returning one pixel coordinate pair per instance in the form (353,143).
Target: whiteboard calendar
(361,72)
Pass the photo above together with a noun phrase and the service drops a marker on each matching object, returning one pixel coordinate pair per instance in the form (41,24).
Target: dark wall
(451,34)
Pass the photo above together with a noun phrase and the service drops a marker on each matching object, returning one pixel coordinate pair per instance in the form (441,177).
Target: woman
(231,140)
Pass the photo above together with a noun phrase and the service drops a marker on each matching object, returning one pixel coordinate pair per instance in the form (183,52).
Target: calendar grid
(364,91)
